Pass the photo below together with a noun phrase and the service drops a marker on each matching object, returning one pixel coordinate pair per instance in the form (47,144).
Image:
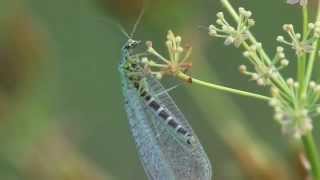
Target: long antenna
(120,27)
(124,32)
(137,22)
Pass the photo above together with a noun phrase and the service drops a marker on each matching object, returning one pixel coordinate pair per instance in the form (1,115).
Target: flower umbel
(232,35)
(299,44)
(296,119)
(264,74)
(176,62)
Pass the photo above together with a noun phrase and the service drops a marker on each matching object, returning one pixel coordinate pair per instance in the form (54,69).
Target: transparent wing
(155,87)
(185,163)
(142,130)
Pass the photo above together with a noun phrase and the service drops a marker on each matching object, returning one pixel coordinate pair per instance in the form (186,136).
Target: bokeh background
(61,107)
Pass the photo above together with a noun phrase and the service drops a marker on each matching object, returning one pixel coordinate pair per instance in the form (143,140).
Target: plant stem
(308,140)
(313,54)
(312,154)
(222,88)
(302,60)
(305,20)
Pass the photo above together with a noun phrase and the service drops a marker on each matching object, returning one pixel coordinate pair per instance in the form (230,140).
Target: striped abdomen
(164,114)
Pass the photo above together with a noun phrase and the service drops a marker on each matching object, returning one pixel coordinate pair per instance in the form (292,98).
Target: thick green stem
(308,140)
(312,155)
(221,88)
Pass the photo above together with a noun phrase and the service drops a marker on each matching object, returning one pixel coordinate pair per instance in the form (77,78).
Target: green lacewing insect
(167,146)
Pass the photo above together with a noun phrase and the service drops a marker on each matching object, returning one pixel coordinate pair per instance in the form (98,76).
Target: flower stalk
(222,88)
(312,155)
(312,56)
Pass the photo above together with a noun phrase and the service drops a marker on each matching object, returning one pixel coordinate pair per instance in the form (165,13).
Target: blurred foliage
(61,107)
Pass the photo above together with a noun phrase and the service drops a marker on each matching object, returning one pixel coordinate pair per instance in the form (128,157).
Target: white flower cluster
(301,45)
(263,73)
(232,35)
(176,62)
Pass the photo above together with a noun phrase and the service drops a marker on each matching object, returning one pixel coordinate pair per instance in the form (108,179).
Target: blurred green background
(61,105)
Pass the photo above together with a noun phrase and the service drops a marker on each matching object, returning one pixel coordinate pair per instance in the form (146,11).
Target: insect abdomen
(164,114)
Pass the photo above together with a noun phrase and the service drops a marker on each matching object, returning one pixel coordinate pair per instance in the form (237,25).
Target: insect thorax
(127,52)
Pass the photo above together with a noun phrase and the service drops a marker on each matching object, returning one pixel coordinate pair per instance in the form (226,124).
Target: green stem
(308,140)
(312,56)
(312,155)
(305,21)
(222,88)
(302,60)
(301,74)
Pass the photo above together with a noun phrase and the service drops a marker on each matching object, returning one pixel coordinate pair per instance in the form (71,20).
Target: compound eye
(134,43)
(189,142)
(130,41)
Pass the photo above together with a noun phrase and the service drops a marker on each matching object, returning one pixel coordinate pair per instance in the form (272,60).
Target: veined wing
(186,162)
(150,153)
(165,99)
